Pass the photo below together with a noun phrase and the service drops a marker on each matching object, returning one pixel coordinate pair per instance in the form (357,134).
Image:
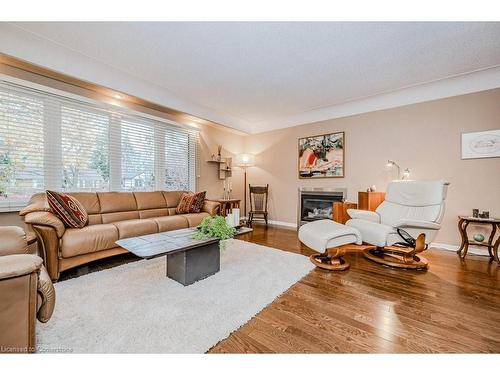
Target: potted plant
(215,227)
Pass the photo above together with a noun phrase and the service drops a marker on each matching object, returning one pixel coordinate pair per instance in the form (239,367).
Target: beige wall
(423,137)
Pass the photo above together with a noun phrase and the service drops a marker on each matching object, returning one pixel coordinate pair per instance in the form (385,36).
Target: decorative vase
(478,237)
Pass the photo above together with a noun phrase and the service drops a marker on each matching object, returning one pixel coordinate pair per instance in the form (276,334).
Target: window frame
(52,141)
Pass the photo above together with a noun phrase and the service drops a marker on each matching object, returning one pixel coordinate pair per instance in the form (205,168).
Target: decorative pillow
(191,203)
(68,209)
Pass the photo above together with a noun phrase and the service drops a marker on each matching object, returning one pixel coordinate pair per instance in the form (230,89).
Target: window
(53,142)
(21,146)
(137,145)
(180,165)
(85,144)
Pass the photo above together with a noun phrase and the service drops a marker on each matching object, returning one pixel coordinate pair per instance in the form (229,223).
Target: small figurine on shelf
(219,150)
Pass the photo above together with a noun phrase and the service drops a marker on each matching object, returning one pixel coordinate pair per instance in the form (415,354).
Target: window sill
(16,207)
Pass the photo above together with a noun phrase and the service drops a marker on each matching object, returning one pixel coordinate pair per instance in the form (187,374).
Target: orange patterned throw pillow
(191,203)
(68,209)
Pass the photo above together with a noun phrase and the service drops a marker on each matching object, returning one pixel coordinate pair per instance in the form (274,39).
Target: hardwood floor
(451,308)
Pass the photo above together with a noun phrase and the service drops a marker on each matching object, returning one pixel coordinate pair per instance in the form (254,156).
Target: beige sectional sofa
(112,216)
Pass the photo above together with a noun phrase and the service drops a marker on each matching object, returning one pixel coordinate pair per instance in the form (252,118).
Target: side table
(226,205)
(463,223)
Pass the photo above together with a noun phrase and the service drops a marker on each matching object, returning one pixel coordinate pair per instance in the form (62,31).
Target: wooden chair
(258,202)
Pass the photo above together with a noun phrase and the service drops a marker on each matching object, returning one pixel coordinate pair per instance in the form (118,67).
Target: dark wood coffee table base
(189,266)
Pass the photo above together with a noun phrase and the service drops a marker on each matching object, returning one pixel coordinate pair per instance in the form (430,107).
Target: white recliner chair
(414,206)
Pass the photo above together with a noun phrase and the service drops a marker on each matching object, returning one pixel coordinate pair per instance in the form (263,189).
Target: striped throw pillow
(68,209)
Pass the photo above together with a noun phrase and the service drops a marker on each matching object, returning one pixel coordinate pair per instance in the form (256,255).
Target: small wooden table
(463,223)
(226,205)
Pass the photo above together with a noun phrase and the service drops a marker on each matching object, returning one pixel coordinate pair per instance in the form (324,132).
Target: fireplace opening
(317,204)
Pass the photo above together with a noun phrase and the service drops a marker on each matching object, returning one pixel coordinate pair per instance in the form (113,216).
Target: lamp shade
(244,160)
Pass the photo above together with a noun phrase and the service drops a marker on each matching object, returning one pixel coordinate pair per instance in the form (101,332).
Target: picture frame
(321,156)
(480,145)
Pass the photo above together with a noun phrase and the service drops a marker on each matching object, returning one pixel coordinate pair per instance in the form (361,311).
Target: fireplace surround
(317,203)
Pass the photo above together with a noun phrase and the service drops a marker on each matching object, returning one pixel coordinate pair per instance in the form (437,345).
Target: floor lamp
(244,161)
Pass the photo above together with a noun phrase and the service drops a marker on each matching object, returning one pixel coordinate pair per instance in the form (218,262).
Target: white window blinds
(137,150)
(180,159)
(85,145)
(53,142)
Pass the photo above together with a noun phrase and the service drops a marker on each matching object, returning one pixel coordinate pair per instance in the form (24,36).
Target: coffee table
(188,260)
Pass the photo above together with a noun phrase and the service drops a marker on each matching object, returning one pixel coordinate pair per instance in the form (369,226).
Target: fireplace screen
(318,206)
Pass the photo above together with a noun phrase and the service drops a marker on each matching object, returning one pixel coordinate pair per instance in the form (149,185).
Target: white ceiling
(264,76)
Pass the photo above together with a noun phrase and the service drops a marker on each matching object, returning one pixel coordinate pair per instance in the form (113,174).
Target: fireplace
(317,203)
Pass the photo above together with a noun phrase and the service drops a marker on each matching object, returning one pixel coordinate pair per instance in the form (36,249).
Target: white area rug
(136,308)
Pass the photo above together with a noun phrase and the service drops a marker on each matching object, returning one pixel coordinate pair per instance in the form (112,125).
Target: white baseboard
(472,249)
(283,224)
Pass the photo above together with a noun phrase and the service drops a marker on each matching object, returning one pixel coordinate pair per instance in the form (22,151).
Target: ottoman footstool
(332,240)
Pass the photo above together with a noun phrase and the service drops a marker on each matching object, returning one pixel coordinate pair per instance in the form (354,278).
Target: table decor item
(478,237)
(214,227)
(230,219)
(485,215)
(475,212)
(236,216)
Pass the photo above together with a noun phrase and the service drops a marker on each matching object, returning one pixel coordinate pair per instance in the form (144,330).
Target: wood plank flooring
(454,307)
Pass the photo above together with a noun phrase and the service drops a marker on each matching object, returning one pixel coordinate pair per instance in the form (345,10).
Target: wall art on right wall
(478,145)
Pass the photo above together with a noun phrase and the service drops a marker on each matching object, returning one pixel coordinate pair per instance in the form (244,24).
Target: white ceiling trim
(467,83)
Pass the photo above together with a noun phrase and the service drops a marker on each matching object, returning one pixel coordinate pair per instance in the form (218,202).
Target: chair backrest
(258,197)
(414,200)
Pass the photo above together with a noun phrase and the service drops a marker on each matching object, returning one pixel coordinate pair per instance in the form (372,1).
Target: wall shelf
(224,168)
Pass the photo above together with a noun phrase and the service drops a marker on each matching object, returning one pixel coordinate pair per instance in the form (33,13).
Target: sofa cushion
(88,239)
(167,223)
(117,202)
(68,209)
(149,200)
(195,219)
(173,197)
(155,212)
(113,217)
(89,201)
(134,228)
(191,203)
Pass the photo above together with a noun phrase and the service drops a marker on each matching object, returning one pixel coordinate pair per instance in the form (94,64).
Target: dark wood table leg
(490,240)
(495,248)
(462,227)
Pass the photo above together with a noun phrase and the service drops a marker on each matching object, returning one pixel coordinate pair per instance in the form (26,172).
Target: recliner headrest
(416,193)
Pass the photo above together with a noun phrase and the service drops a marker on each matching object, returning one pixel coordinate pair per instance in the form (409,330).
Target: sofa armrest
(19,265)
(13,241)
(416,224)
(48,296)
(212,207)
(363,215)
(47,219)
